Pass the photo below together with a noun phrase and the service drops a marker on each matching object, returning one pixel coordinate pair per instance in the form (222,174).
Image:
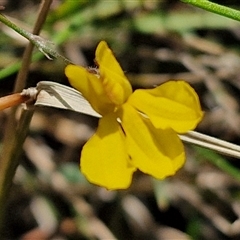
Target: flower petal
(115,83)
(173,104)
(157,152)
(104,158)
(91,88)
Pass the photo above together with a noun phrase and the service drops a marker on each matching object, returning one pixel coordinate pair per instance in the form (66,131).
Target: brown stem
(12,100)
(14,137)
(22,75)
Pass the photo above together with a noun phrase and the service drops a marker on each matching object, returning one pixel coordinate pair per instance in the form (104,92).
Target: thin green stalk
(13,26)
(39,42)
(215,8)
(58,38)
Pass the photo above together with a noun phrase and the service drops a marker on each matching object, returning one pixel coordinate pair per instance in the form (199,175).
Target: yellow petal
(115,83)
(173,104)
(91,88)
(157,152)
(104,158)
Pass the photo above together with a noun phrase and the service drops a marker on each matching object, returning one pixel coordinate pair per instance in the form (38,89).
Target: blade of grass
(215,8)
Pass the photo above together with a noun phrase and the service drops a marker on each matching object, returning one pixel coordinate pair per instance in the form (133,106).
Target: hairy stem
(215,8)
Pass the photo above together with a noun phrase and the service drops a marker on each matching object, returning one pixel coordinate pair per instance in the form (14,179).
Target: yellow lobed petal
(173,104)
(115,83)
(157,152)
(104,158)
(91,88)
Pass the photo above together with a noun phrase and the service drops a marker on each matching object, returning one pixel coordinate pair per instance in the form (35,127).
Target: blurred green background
(154,41)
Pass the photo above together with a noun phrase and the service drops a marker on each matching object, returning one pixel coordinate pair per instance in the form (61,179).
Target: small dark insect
(93,70)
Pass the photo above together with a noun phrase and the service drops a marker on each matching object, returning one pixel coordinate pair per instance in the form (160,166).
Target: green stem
(19,30)
(39,42)
(59,38)
(215,8)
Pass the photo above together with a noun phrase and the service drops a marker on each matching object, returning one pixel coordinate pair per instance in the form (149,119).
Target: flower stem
(39,42)
(10,24)
(215,8)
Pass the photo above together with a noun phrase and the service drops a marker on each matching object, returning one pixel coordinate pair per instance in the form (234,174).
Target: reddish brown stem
(12,100)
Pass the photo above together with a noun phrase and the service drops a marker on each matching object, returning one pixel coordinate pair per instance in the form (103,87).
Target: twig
(14,138)
(212,143)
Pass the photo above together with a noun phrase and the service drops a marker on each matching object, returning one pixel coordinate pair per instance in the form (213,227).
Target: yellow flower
(138,130)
